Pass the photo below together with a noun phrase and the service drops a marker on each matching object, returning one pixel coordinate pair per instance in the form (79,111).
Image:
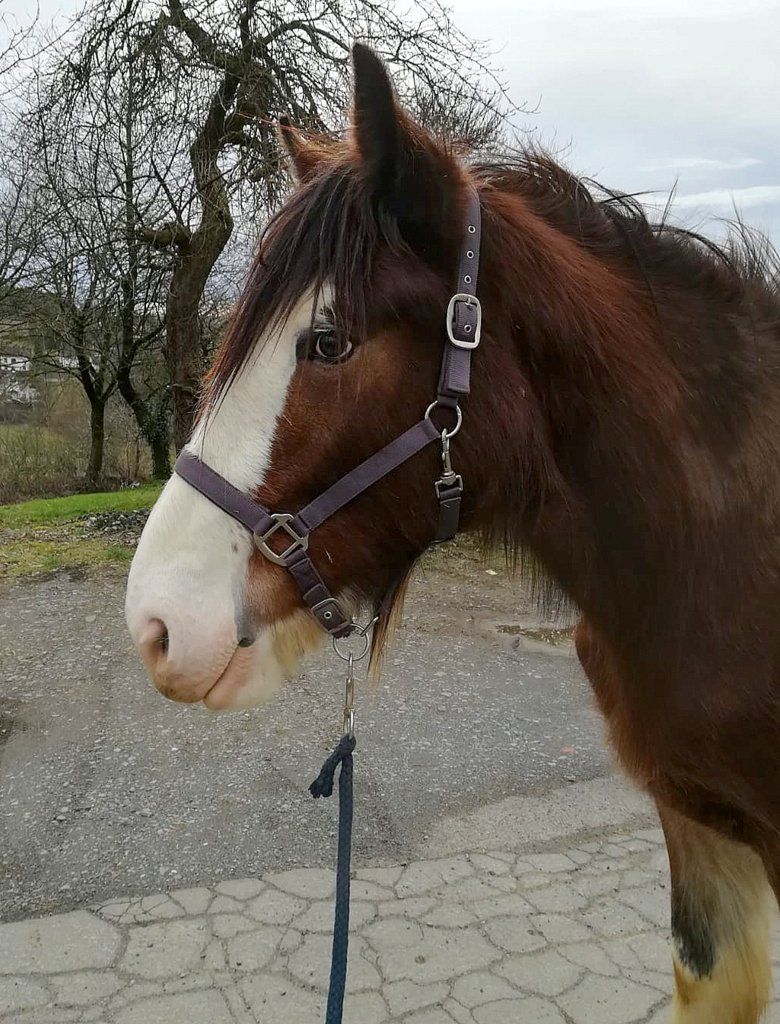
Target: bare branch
(167,235)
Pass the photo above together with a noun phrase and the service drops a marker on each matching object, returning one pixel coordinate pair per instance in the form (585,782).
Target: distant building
(67,362)
(24,394)
(12,363)
(20,394)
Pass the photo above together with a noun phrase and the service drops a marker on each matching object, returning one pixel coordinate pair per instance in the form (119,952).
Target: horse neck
(603,507)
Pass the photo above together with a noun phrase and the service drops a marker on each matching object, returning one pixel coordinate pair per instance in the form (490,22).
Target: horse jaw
(255,674)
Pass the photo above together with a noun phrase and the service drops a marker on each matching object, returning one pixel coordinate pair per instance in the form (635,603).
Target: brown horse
(623,428)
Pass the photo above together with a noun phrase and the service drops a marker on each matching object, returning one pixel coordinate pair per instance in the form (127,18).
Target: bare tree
(21,221)
(78,320)
(221,73)
(17,43)
(89,147)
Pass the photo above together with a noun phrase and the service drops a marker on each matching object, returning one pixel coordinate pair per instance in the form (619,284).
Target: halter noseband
(464,324)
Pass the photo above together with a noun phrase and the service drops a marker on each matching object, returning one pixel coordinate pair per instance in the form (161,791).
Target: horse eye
(330,347)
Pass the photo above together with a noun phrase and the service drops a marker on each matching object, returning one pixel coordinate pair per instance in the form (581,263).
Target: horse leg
(720,925)
(720,905)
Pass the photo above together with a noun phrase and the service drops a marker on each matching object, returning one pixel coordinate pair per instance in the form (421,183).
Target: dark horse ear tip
(369,67)
(284,121)
(375,118)
(362,54)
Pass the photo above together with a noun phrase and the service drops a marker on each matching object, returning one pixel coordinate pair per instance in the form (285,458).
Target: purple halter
(464,326)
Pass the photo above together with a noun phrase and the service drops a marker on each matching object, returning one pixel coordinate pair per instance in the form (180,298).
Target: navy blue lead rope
(323,787)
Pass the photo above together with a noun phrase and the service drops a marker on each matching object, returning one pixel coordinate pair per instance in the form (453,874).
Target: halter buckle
(331,617)
(282,521)
(449,487)
(468,300)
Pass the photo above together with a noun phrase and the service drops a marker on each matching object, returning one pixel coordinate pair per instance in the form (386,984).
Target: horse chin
(256,673)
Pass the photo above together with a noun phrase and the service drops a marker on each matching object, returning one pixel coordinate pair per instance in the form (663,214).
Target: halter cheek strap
(463,325)
(265,525)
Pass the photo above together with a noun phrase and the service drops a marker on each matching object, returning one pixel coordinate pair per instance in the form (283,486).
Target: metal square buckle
(451,487)
(282,521)
(470,300)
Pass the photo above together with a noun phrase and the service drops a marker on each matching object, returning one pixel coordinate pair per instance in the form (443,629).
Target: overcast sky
(642,93)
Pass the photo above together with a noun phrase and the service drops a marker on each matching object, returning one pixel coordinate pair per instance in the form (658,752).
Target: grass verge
(50,511)
(48,534)
(26,557)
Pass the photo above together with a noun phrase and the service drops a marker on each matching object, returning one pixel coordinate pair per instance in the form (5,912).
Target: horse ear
(304,156)
(375,119)
(402,164)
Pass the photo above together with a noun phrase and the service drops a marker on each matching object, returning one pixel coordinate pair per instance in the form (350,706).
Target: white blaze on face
(190,568)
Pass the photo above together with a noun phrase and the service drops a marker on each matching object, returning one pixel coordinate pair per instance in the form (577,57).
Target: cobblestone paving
(578,936)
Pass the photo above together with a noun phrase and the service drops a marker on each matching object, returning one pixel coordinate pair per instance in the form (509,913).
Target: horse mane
(694,359)
(607,220)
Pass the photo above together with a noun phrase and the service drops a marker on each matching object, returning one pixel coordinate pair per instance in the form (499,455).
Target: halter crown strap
(464,330)
(464,314)
(290,532)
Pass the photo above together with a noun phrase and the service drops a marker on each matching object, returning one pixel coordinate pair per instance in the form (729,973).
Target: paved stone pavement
(574,935)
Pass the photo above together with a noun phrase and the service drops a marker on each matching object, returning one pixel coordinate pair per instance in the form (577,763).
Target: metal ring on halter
(347,655)
(361,633)
(458,412)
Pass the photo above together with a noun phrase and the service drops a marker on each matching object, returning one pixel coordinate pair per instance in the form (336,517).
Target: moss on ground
(25,556)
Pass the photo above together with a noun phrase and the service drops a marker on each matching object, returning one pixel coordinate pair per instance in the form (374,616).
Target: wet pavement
(106,788)
(575,934)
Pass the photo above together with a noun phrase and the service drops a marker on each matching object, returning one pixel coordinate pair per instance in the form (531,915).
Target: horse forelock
(326,235)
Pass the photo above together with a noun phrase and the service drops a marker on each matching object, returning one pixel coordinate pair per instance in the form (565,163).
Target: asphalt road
(106,788)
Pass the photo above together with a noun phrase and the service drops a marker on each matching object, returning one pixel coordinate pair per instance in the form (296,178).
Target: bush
(47,455)
(35,461)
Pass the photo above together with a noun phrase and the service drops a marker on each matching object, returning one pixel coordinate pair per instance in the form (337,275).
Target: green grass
(43,535)
(45,512)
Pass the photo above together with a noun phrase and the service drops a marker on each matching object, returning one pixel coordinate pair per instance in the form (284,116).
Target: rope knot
(323,784)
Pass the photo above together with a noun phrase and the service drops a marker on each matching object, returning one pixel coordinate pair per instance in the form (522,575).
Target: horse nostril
(246,641)
(153,644)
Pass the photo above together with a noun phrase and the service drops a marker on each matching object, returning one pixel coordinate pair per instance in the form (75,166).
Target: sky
(644,95)
(650,95)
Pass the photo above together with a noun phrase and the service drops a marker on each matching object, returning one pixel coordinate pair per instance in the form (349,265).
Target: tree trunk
(183,349)
(182,322)
(152,422)
(97,417)
(153,425)
(159,445)
(195,260)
